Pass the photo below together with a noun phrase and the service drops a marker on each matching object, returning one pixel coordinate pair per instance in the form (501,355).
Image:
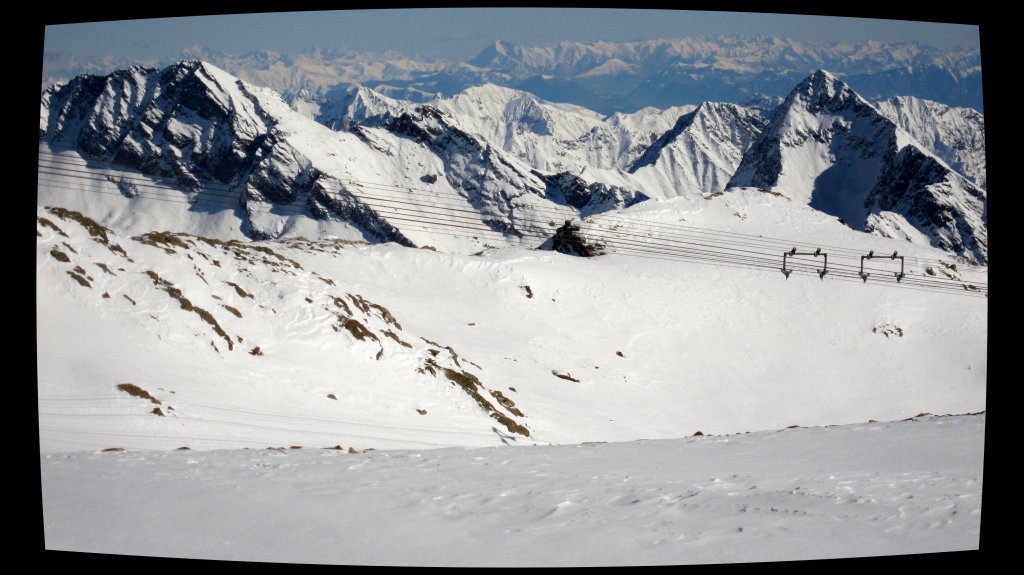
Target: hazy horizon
(455,34)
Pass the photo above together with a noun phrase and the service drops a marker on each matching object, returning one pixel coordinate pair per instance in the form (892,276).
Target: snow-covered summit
(357,103)
(822,91)
(714,137)
(828,147)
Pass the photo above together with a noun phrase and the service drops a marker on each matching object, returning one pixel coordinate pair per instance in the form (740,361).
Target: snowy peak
(501,110)
(821,116)
(198,129)
(702,151)
(188,121)
(500,54)
(547,136)
(339,108)
(828,147)
(823,92)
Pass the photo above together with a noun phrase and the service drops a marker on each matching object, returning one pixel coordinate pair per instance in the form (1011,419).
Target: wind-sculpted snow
(867,489)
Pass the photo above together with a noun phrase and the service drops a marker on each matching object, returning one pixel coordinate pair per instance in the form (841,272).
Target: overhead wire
(601,232)
(424,217)
(807,267)
(679,229)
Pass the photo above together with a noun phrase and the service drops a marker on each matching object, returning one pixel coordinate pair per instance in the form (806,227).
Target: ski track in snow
(857,490)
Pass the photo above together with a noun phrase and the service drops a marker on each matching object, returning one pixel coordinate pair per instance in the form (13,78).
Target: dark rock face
(942,204)
(163,122)
(567,189)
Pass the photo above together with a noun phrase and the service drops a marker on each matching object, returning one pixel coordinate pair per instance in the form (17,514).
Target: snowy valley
(219,269)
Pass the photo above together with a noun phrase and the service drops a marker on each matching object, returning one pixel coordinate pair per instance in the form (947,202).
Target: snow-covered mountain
(193,126)
(337,108)
(724,52)
(829,148)
(203,130)
(243,344)
(556,137)
(700,147)
(215,270)
(702,151)
(500,162)
(957,135)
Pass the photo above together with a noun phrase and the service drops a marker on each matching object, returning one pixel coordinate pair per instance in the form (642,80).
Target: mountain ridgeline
(515,164)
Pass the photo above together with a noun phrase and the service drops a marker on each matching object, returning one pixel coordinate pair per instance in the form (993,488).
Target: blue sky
(460,33)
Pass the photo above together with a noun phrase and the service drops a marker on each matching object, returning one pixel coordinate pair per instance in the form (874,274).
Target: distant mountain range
(512,165)
(606,77)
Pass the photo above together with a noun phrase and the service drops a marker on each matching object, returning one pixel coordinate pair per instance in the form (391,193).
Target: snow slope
(857,490)
(652,344)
